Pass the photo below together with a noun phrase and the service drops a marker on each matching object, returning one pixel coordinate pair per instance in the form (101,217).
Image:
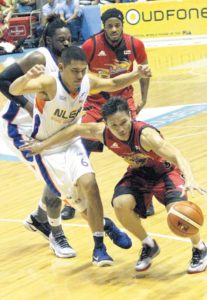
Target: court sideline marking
(169,237)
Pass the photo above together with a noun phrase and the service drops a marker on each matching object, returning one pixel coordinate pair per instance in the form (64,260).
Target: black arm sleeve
(6,78)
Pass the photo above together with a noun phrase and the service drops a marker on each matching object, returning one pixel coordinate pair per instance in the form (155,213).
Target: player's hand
(35,71)
(144,71)
(191,187)
(33,146)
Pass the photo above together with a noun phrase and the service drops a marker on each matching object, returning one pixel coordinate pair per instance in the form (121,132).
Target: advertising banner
(159,19)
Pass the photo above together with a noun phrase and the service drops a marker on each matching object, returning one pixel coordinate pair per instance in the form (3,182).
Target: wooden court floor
(28,268)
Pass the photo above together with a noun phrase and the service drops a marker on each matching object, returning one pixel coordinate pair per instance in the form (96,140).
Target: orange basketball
(185,218)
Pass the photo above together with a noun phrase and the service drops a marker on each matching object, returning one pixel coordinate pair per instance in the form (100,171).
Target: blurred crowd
(71,11)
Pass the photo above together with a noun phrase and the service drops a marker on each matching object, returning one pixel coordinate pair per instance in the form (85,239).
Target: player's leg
(46,220)
(128,211)
(88,188)
(58,242)
(118,237)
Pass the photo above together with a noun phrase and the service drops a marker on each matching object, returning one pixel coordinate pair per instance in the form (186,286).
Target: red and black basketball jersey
(133,153)
(108,61)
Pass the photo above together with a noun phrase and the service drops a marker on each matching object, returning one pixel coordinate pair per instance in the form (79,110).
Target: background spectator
(51,7)
(70,12)
(4,24)
(25,6)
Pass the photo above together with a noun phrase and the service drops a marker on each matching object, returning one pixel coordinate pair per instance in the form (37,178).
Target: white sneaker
(199,261)
(146,256)
(60,246)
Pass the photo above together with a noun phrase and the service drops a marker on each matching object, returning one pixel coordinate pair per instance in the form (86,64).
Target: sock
(40,213)
(200,245)
(98,239)
(56,227)
(149,241)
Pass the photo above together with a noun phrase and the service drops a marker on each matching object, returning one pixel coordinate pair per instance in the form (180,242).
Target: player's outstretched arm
(151,140)
(87,130)
(119,82)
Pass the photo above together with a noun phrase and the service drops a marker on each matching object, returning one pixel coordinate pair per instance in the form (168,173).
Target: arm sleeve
(6,78)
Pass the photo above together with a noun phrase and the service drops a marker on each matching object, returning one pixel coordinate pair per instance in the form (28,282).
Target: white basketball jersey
(63,110)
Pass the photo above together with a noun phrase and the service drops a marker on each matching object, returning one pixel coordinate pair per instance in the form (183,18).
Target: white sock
(98,233)
(200,245)
(149,241)
(54,222)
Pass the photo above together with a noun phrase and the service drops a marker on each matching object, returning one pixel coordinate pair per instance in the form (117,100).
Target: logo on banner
(132,16)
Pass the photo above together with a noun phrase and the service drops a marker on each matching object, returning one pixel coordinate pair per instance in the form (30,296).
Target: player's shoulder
(33,58)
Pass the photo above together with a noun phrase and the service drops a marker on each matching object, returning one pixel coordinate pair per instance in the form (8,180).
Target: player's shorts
(166,188)
(61,170)
(15,126)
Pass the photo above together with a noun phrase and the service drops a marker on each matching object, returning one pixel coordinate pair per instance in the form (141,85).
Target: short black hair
(114,104)
(112,13)
(53,23)
(72,53)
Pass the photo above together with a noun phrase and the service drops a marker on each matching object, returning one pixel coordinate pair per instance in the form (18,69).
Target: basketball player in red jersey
(156,168)
(110,53)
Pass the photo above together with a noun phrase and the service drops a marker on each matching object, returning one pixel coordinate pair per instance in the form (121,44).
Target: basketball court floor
(30,271)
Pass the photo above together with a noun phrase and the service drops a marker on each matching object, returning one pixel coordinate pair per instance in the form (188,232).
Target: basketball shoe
(150,210)
(118,237)
(199,261)
(147,254)
(32,224)
(60,246)
(101,257)
(68,212)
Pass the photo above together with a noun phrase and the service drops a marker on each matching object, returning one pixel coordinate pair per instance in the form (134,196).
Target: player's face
(60,40)
(113,28)
(120,125)
(73,74)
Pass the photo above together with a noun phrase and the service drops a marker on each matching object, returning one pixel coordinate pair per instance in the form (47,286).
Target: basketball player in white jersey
(59,101)
(16,122)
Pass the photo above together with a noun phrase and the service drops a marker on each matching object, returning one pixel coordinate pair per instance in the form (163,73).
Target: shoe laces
(197,255)
(61,241)
(145,252)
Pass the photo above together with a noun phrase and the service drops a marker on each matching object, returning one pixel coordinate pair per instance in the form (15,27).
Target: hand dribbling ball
(185,218)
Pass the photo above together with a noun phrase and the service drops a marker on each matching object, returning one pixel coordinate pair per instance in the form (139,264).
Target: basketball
(185,218)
